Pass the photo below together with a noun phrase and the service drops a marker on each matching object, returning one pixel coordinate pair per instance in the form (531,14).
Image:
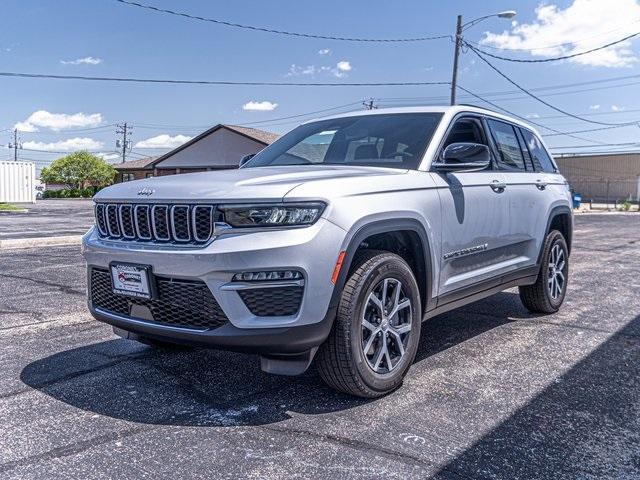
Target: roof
(449,110)
(255,134)
(261,136)
(139,164)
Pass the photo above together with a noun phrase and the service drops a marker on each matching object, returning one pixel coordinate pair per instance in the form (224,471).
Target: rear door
(475,216)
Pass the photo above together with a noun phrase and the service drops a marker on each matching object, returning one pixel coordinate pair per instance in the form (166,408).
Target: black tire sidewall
(555,238)
(386,266)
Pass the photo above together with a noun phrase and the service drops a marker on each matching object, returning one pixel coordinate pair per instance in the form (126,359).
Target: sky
(108,38)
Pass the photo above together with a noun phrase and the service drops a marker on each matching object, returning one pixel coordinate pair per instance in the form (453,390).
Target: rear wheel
(375,336)
(547,294)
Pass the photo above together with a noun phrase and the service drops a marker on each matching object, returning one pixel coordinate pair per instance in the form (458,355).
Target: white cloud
(339,70)
(324,51)
(594,107)
(82,61)
(533,115)
(58,121)
(71,144)
(616,108)
(163,141)
(588,23)
(264,106)
(344,66)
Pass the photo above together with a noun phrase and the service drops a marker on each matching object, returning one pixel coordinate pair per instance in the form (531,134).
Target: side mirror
(246,158)
(463,156)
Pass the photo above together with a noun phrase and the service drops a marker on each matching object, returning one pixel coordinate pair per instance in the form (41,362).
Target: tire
(547,294)
(342,361)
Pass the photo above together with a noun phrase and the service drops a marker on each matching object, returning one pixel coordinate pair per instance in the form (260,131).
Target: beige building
(603,177)
(221,147)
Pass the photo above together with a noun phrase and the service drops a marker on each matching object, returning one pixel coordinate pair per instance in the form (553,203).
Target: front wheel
(547,294)
(375,336)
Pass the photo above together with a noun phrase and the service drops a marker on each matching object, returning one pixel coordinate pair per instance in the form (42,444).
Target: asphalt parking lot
(495,392)
(48,218)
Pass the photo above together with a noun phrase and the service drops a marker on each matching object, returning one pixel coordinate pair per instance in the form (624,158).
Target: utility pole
(124,130)
(369,105)
(15,145)
(460,27)
(456,55)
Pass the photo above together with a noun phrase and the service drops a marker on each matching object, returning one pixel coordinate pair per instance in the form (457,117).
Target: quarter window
(510,155)
(541,159)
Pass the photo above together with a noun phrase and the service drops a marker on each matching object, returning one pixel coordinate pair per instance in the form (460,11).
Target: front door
(474,220)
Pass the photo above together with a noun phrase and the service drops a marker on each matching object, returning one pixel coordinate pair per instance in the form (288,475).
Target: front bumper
(312,251)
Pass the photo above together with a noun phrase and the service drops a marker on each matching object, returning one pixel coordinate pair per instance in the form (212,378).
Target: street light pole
(460,27)
(456,55)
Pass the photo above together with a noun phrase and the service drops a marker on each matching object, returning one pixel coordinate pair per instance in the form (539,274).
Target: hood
(256,184)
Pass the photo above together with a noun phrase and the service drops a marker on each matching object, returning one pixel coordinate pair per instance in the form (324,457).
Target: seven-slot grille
(176,223)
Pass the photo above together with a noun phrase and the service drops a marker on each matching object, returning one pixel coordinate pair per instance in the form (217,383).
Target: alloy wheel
(386,325)
(556,276)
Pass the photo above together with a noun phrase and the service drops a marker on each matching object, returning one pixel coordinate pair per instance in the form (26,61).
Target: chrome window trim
(173,223)
(153,223)
(124,235)
(137,222)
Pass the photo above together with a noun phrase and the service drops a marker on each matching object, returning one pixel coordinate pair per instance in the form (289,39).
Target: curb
(21,210)
(13,243)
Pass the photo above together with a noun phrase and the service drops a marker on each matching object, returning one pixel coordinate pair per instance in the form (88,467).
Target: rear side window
(541,159)
(510,155)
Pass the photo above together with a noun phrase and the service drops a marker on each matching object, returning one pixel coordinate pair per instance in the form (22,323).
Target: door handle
(498,186)
(541,184)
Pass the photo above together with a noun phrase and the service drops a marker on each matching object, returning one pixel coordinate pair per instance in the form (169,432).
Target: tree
(79,170)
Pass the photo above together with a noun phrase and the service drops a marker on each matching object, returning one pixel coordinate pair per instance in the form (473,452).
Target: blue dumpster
(577,200)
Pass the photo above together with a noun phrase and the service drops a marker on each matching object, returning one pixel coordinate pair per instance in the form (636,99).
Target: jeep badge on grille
(146,191)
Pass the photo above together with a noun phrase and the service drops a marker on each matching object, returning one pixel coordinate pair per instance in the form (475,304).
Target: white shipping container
(17,182)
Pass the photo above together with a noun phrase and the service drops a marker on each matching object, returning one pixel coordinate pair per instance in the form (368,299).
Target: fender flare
(555,212)
(386,226)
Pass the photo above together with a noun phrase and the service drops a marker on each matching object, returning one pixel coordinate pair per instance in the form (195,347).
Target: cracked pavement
(495,392)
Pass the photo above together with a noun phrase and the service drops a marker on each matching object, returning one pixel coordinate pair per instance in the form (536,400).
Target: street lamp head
(507,14)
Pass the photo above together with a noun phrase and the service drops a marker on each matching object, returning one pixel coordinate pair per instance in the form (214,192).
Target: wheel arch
(560,218)
(392,226)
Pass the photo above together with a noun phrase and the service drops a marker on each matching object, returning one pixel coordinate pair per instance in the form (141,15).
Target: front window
(383,140)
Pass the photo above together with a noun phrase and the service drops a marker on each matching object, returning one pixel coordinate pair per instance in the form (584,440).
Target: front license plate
(131,280)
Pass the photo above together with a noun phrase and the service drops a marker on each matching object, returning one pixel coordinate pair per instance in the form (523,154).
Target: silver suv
(336,242)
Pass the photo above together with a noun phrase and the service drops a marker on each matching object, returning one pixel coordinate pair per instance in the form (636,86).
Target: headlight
(242,216)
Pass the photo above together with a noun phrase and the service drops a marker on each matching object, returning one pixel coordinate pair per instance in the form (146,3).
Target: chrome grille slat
(179,224)
(202,223)
(160,222)
(113,223)
(101,221)
(142,222)
(125,215)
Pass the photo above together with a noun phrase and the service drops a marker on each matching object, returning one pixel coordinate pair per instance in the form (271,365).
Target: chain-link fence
(607,193)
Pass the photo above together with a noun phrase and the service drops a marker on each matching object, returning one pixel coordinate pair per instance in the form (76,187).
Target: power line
(528,120)
(557,45)
(554,59)
(589,130)
(218,82)
(280,32)
(553,107)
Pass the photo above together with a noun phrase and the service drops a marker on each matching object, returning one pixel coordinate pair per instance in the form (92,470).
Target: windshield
(383,140)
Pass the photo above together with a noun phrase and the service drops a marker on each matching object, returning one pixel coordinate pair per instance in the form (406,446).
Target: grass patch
(7,207)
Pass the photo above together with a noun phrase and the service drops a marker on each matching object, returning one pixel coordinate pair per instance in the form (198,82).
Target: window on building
(127,177)
(148,175)
(510,155)
(541,159)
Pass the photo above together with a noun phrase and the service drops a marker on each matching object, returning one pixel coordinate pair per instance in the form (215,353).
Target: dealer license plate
(131,280)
